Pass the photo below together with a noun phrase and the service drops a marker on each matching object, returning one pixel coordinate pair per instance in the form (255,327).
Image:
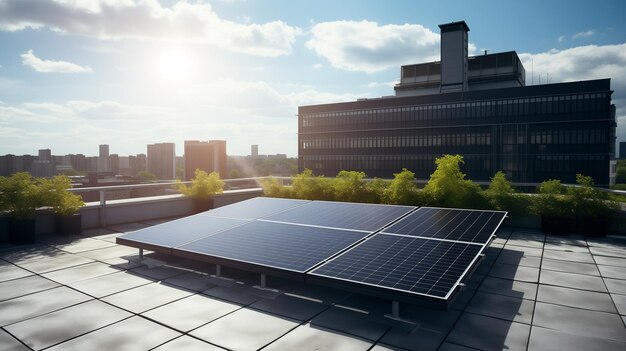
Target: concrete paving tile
(307,337)
(97,232)
(134,333)
(146,297)
(568,256)
(82,272)
(613,272)
(245,329)
(570,267)
(109,252)
(320,293)
(109,284)
(610,261)
(53,328)
(580,322)
(57,262)
(23,286)
(619,252)
(192,281)
(506,271)
(233,294)
(350,322)
(572,280)
(33,253)
(157,273)
(9,271)
(191,312)
(33,305)
(620,303)
(9,343)
(368,304)
(615,286)
(427,318)
(461,301)
(566,247)
(428,332)
(503,307)
(471,330)
(187,343)
(122,263)
(571,239)
(508,287)
(589,300)
(518,258)
(527,251)
(290,307)
(127,227)
(383,347)
(524,242)
(85,244)
(543,339)
(420,339)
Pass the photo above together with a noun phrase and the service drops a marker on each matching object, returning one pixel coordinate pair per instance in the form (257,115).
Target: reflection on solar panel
(366,217)
(450,224)
(254,208)
(178,232)
(277,245)
(403,263)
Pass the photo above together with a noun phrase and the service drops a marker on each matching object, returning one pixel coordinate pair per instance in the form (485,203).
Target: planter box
(202,205)
(22,231)
(593,226)
(68,225)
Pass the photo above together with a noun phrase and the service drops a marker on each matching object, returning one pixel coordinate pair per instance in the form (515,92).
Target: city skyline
(72,78)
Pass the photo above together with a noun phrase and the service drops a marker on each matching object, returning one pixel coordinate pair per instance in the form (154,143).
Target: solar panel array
(415,252)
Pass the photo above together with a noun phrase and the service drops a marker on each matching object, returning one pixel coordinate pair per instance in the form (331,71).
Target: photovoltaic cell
(254,208)
(344,215)
(403,263)
(181,231)
(451,224)
(277,245)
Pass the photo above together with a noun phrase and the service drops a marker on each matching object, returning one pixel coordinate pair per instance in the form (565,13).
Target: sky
(75,74)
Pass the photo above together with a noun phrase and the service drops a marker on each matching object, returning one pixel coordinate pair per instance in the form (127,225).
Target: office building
(103,158)
(479,107)
(161,160)
(209,156)
(254,151)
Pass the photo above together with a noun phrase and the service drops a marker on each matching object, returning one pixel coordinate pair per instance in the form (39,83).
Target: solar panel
(276,245)
(450,224)
(254,208)
(178,232)
(344,215)
(403,263)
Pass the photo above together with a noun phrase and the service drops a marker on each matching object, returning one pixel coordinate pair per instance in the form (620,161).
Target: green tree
(145,177)
(449,188)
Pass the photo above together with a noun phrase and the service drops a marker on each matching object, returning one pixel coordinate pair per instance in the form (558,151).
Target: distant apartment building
(161,160)
(479,107)
(103,158)
(209,156)
(254,150)
(43,166)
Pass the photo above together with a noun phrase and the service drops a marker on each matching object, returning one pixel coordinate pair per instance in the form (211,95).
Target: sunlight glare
(175,66)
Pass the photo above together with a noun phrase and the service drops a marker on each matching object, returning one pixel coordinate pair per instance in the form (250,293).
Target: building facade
(161,160)
(209,156)
(482,110)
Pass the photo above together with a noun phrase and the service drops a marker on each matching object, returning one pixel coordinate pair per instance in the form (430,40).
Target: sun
(175,65)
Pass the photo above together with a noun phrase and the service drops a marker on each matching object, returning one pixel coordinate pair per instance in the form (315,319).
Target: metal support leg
(262,281)
(102,213)
(218,270)
(141,254)
(395,309)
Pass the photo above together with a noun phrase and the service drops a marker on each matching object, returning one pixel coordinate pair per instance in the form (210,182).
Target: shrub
(56,195)
(273,187)
(448,187)
(402,189)
(309,187)
(502,196)
(590,201)
(203,185)
(21,195)
(349,186)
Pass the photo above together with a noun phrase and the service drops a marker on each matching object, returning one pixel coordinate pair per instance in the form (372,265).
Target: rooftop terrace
(85,292)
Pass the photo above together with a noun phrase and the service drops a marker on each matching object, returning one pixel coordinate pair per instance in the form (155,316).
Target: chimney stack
(453,57)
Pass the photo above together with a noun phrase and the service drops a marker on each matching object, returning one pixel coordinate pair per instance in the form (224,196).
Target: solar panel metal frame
(216,211)
(260,267)
(490,238)
(392,293)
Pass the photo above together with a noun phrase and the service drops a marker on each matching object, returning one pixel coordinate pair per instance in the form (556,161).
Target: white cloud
(148,19)
(562,38)
(318,66)
(374,85)
(49,66)
(370,47)
(585,34)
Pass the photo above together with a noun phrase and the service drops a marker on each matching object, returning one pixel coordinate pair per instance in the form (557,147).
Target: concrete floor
(532,292)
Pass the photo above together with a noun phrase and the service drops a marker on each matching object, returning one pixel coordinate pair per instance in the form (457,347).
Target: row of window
(592,136)
(564,104)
